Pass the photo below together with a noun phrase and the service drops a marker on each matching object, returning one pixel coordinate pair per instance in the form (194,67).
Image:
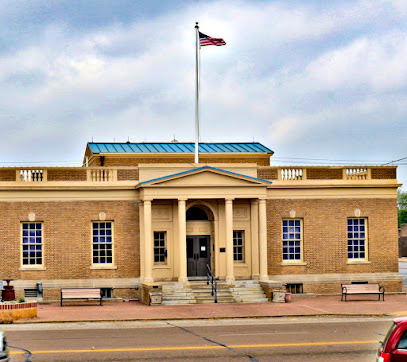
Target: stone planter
(12,312)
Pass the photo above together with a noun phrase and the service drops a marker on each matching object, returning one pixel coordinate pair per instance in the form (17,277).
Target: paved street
(269,339)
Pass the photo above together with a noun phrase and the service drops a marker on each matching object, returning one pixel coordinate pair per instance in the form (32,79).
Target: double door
(198,255)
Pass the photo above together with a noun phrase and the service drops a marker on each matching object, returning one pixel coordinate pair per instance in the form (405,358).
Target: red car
(394,346)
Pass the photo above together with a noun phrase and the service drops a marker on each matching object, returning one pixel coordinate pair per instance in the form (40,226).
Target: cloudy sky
(319,82)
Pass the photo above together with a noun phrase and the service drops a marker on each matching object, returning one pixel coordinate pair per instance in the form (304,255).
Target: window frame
(301,240)
(31,266)
(243,247)
(165,248)
(102,265)
(365,239)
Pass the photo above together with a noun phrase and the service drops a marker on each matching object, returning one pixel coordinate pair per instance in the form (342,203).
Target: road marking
(260,334)
(185,348)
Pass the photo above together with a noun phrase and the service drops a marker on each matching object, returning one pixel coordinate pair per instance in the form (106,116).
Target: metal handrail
(210,278)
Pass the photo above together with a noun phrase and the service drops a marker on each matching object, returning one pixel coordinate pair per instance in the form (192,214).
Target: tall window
(292,240)
(160,248)
(32,243)
(357,239)
(102,243)
(238,245)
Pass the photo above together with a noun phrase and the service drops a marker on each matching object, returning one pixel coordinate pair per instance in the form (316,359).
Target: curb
(380,315)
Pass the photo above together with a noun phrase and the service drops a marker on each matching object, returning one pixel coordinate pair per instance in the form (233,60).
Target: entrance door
(198,255)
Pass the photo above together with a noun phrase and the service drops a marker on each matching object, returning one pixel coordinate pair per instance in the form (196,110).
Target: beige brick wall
(128,175)
(324,174)
(8,175)
(383,173)
(267,173)
(325,235)
(335,288)
(178,158)
(67,239)
(66,175)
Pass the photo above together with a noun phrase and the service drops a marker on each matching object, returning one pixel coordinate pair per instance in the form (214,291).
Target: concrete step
(180,302)
(252,300)
(203,293)
(249,292)
(199,292)
(177,294)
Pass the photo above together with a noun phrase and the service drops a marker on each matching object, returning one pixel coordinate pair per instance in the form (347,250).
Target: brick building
(144,212)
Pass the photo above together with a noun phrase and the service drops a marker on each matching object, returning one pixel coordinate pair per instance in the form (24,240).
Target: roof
(169,147)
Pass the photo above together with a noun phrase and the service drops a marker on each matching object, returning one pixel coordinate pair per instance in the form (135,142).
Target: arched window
(196,213)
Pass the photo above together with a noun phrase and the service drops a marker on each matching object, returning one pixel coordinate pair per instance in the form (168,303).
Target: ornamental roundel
(240,212)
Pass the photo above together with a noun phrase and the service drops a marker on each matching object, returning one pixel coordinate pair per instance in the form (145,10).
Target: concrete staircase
(248,291)
(198,292)
(177,293)
(203,292)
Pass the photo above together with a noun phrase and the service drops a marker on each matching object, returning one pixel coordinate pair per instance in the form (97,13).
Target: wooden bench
(353,289)
(81,293)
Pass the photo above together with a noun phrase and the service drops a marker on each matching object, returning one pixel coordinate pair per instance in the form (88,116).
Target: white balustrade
(99,175)
(31,175)
(357,173)
(291,174)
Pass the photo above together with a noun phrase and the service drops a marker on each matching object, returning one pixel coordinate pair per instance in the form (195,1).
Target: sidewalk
(300,306)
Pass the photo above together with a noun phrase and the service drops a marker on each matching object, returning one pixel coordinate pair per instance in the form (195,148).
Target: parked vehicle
(3,348)
(394,346)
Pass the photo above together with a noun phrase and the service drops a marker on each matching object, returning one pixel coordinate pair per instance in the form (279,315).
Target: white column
(263,240)
(254,223)
(230,274)
(182,242)
(141,224)
(148,244)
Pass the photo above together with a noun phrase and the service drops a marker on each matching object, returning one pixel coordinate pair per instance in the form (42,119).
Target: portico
(236,228)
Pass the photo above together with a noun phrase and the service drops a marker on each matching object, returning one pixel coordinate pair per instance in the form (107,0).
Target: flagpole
(197,93)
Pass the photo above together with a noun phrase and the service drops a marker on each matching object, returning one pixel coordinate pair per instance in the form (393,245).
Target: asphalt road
(271,339)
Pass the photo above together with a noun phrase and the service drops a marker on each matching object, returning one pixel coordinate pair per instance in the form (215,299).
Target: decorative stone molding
(292,214)
(31,216)
(161,213)
(357,213)
(102,216)
(240,212)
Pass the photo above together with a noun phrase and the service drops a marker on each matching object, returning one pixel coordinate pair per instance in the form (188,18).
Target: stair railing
(211,279)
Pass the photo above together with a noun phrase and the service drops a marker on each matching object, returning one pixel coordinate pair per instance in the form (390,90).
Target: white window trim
(106,266)
(241,262)
(364,260)
(33,267)
(162,264)
(290,261)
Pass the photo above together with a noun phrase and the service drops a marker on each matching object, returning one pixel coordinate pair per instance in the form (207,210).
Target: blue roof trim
(205,168)
(233,147)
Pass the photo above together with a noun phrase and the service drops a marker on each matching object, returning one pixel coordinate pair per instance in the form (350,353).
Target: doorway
(198,255)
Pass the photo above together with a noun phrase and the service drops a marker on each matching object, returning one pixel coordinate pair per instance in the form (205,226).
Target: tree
(402,206)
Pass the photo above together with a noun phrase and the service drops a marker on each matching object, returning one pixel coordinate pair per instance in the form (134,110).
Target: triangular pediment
(205,176)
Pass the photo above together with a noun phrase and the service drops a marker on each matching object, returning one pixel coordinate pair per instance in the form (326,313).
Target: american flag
(205,40)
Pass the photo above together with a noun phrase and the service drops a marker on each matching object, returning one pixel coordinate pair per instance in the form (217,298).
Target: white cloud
(303,78)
